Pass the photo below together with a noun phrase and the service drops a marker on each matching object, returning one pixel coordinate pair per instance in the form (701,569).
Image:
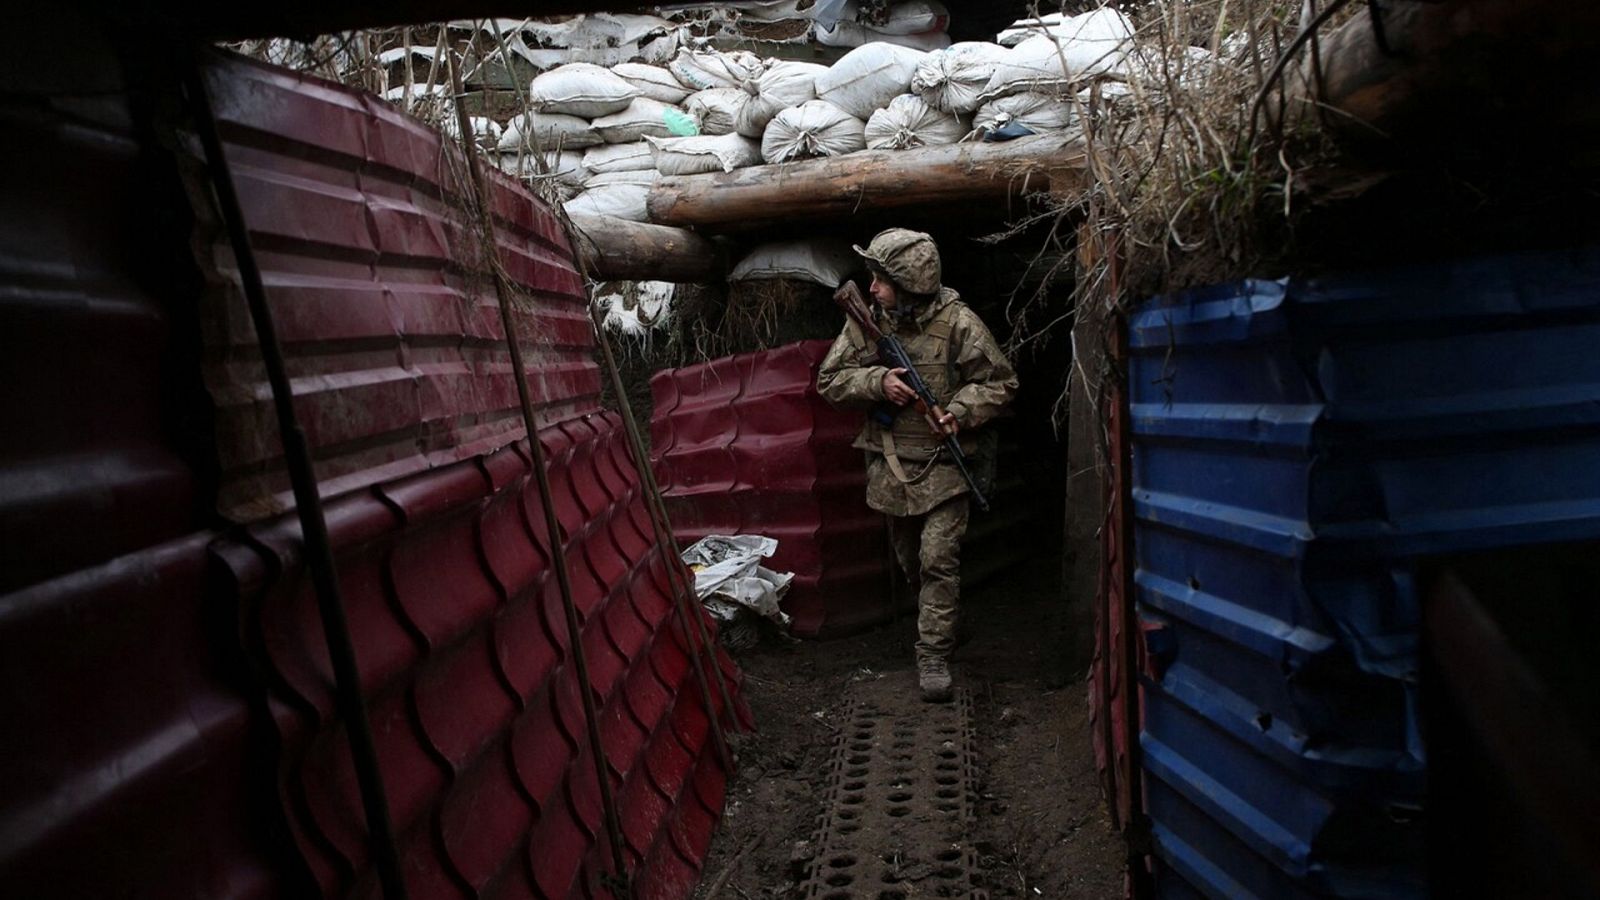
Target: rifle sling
(893,459)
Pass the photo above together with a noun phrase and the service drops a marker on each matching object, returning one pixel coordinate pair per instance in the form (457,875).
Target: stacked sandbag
(716,110)
(704,153)
(547,131)
(620,157)
(484,129)
(711,111)
(622,195)
(783,85)
(1094,43)
(812,129)
(642,118)
(580,89)
(954,79)
(580,105)
(864,80)
(653,82)
(567,168)
(1019,115)
(703,70)
(825,261)
(908,121)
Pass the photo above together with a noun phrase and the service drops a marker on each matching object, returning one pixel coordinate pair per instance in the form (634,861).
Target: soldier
(908,477)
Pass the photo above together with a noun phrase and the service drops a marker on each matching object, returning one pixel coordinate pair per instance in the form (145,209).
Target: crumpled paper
(729,577)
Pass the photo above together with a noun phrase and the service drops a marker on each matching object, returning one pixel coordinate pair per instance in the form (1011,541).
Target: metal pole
(308,501)
(1137,828)
(558,557)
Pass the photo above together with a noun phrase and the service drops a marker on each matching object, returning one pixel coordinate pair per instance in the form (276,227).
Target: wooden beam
(619,250)
(871,180)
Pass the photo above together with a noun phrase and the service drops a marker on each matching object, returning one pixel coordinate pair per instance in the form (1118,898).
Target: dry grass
(762,314)
(1192,165)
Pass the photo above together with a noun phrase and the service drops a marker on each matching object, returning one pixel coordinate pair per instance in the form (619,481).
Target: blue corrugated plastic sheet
(1299,446)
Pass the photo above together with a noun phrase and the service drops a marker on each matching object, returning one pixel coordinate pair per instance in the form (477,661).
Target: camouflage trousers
(928,549)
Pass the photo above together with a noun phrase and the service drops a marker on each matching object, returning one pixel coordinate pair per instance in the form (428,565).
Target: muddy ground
(1042,829)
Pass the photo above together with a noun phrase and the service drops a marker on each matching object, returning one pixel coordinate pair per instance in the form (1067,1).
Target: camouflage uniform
(972,379)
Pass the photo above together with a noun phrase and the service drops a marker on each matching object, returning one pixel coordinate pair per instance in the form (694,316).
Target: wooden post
(619,250)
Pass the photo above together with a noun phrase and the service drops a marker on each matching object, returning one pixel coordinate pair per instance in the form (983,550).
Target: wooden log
(1466,72)
(871,180)
(619,250)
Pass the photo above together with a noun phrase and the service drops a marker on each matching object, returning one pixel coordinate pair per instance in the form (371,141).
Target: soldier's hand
(895,390)
(946,423)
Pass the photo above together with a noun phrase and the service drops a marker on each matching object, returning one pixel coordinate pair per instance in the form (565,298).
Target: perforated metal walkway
(900,799)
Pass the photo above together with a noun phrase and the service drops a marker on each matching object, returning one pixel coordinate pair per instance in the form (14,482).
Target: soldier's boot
(933,677)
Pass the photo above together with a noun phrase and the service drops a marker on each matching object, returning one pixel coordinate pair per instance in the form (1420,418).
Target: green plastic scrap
(680,124)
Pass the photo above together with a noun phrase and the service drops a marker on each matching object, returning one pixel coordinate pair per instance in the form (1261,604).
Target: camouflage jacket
(963,366)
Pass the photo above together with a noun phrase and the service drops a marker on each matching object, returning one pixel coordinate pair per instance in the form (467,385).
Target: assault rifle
(893,354)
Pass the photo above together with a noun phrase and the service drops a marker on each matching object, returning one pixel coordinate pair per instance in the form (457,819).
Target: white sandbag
(646,177)
(546,131)
(822,260)
(909,17)
(568,168)
(954,79)
(633,157)
(1038,113)
(782,85)
(1038,63)
(1022,29)
(654,82)
(697,155)
(908,121)
(620,194)
(716,111)
(1094,43)
(622,201)
(642,117)
(580,89)
(845,33)
(1097,42)
(868,77)
(703,70)
(485,129)
(817,128)
(635,309)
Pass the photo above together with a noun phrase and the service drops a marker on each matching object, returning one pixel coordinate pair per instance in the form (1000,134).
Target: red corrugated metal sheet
(386,312)
(126,742)
(745,445)
(84,328)
(126,756)
(134,764)
(475,705)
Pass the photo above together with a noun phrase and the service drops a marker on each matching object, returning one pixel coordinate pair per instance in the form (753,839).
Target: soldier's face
(882,291)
